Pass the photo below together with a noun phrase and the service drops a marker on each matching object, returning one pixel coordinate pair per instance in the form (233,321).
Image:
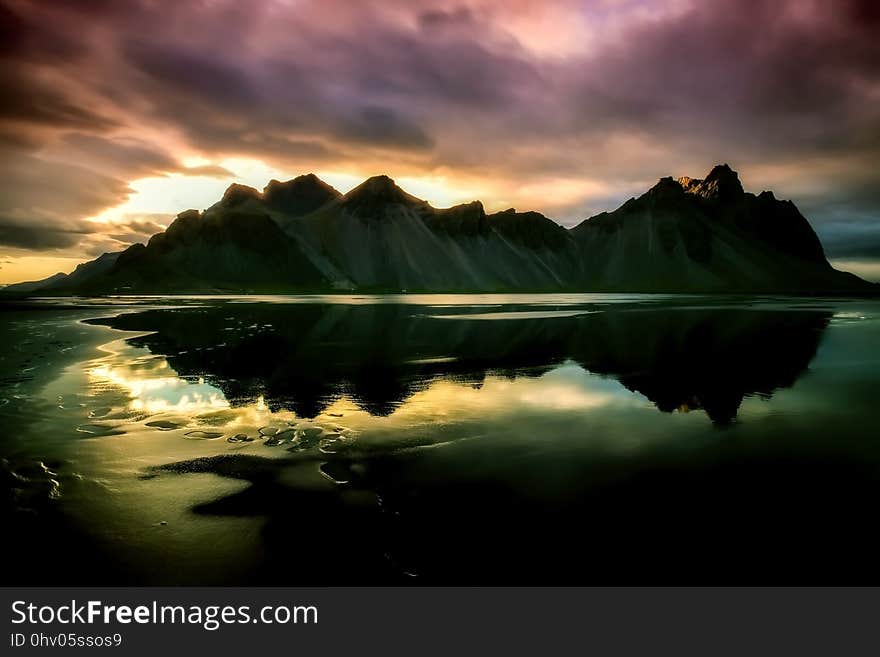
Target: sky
(115,116)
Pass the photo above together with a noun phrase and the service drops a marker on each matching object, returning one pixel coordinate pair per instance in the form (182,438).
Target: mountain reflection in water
(302,358)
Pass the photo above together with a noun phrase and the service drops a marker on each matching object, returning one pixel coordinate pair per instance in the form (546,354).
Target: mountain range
(688,235)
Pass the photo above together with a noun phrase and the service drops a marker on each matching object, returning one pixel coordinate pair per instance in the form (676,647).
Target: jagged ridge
(685,235)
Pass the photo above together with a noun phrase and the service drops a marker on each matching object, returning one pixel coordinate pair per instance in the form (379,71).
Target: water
(508,439)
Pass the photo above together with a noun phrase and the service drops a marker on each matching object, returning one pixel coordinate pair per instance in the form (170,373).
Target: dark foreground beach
(506,439)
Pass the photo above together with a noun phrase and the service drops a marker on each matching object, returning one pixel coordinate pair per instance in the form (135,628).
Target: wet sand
(565,441)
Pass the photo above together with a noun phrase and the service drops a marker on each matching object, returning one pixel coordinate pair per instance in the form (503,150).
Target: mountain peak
(376,193)
(722,171)
(722,184)
(299,196)
(237,193)
(377,186)
(186,215)
(665,189)
(305,181)
(185,223)
(722,174)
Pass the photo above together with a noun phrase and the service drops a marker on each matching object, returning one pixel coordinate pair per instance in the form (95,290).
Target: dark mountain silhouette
(379,198)
(233,248)
(299,196)
(704,236)
(686,235)
(83,273)
(307,356)
(27,287)
(379,238)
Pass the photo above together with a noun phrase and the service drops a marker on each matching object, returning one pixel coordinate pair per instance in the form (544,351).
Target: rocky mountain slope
(686,235)
(705,236)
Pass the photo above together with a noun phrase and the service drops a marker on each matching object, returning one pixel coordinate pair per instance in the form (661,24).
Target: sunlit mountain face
(117,116)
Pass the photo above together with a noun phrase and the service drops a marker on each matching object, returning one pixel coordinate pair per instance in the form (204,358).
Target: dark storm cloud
(129,157)
(795,73)
(137,229)
(443,71)
(22,33)
(43,204)
(206,76)
(134,157)
(92,238)
(382,125)
(13,31)
(225,101)
(35,238)
(432,19)
(28,101)
(741,80)
(131,229)
(850,225)
(56,188)
(856,240)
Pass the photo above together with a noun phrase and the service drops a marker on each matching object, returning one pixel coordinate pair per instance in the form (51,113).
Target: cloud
(130,228)
(203,75)
(382,125)
(43,205)
(434,19)
(139,225)
(854,240)
(209,170)
(127,157)
(33,106)
(28,236)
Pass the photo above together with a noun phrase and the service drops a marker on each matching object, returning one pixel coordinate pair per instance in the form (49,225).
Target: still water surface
(506,439)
